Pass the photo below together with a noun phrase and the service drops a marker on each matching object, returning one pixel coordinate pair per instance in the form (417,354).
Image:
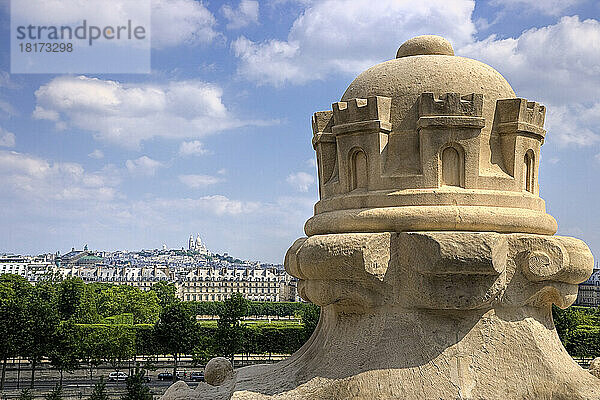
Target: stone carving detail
(430,252)
(452,167)
(439,270)
(217,371)
(595,367)
(359,178)
(451,104)
(374,108)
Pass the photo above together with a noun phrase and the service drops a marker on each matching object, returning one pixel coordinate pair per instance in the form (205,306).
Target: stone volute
(430,251)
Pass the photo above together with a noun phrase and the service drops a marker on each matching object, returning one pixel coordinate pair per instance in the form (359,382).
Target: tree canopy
(70,323)
(230,331)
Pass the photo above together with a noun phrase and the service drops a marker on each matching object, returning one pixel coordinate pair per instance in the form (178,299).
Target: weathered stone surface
(425,44)
(430,252)
(178,390)
(595,367)
(217,371)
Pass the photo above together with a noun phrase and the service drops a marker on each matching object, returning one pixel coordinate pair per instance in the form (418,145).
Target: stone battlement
(376,108)
(454,104)
(322,122)
(520,111)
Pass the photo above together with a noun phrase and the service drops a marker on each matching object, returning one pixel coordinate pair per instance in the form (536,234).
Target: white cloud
(5,81)
(560,63)
(193,148)
(272,62)
(144,166)
(278,3)
(128,114)
(176,22)
(33,178)
(557,65)
(18,163)
(222,205)
(198,181)
(215,204)
(573,124)
(547,7)
(97,154)
(7,139)
(245,14)
(347,36)
(301,181)
(42,113)
(7,108)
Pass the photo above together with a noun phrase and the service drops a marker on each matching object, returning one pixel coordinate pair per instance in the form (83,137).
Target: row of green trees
(255,308)
(177,332)
(71,323)
(579,330)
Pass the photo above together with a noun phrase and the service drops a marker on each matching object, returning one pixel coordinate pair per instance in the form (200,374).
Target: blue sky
(216,140)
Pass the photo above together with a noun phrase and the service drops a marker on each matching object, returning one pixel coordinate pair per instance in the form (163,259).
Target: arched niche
(529,171)
(452,166)
(358,169)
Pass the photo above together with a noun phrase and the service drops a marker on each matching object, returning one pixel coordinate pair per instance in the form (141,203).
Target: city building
(258,284)
(198,274)
(589,291)
(31,268)
(140,277)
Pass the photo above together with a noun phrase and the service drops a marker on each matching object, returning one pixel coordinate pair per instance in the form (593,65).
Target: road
(78,387)
(80,383)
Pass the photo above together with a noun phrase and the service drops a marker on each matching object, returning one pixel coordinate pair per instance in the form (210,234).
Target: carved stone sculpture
(217,371)
(430,251)
(595,367)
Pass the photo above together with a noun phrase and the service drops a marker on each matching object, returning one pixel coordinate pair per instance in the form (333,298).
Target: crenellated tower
(350,142)
(392,145)
(520,126)
(449,128)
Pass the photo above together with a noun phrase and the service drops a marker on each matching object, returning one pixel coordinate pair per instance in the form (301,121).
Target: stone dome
(429,141)
(425,45)
(427,64)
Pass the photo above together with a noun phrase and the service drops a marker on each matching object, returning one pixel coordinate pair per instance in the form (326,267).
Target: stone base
(391,353)
(438,315)
(433,218)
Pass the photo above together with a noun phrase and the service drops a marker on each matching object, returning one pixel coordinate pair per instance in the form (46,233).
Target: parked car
(181,375)
(165,376)
(145,378)
(197,376)
(117,376)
